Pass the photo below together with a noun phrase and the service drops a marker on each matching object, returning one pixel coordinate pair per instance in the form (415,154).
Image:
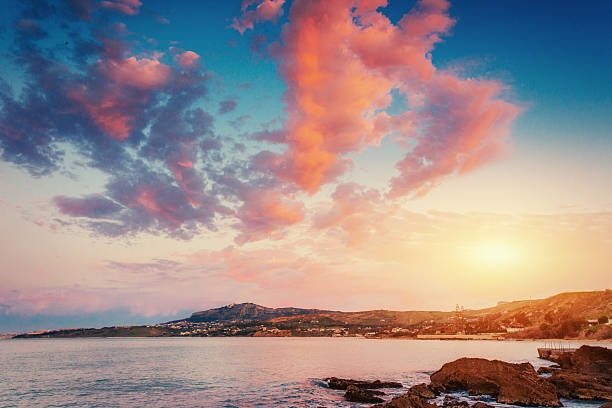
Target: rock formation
(342,384)
(516,384)
(584,374)
(356,394)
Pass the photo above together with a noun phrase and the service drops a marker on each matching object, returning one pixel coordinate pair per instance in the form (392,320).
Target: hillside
(247,312)
(588,305)
(562,315)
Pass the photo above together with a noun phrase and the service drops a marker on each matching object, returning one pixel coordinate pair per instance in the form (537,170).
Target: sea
(226,371)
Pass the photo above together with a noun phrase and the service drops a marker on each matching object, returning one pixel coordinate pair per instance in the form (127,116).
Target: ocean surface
(224,372)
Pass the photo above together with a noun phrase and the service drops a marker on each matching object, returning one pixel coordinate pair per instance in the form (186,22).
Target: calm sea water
(222,372)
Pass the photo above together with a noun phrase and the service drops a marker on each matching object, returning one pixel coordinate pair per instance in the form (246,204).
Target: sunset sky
(158,158)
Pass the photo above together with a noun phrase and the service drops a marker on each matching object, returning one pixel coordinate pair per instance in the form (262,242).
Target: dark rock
(592,360)
(409,400)
(356,394)
(343,383)
(547,370)
(422,390)
(416,397)
(585,374)
(480,404)
(574,385)
(516,384)
(450,402)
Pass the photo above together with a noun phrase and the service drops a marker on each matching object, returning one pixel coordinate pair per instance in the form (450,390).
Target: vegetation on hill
(247,311)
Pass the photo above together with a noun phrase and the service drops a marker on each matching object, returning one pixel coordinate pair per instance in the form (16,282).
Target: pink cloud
(129,7)
(264,213)
(93,206)
(126,86)
(187,177)
(187,59)
(265,10)
(358,212)
(342,59)
(109,113)
(150,200)
(471,127)
(143,73)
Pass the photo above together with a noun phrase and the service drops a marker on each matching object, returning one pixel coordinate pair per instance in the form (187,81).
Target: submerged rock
(416,397)
(481,404)
(343,383)
(516,384)
(451,402)
(409,401)
(356,394)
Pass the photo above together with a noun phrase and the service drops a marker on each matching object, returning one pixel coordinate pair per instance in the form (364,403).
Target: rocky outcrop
(343,384)
(356,394)
(585,374)
(574,385)
(547,370)
(416,397)
(591,360)
(451,402)
(481,404)
(409,401)
(516,384)
(422,390)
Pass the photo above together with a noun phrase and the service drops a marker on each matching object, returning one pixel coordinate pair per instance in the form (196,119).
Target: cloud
(31,28)
(263,212)
(239,122)
(138,118)
(128,7)
(94,206)
(342,60)
(227,106)
(187,59)
(265,10)
(465,127)
(358,211)
(123,90)
(132,117)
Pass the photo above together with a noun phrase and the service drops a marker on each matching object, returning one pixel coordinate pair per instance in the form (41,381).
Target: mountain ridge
(245,312)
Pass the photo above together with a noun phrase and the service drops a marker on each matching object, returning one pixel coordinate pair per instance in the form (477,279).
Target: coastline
(439,338)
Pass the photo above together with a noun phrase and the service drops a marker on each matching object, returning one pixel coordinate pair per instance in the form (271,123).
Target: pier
(553,352)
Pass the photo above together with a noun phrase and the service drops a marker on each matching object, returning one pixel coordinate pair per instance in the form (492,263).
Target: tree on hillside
(549,317)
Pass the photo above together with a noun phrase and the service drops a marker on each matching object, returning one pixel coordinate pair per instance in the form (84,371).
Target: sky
(159,158)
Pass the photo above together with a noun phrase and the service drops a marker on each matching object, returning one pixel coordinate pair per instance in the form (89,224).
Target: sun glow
(495,254)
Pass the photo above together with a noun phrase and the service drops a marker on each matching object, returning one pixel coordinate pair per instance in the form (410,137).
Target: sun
(495,254)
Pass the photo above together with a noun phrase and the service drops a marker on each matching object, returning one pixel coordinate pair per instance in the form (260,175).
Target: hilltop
(578,315)
(247,312)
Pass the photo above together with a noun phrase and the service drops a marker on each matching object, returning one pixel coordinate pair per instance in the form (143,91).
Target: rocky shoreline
(584,374)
